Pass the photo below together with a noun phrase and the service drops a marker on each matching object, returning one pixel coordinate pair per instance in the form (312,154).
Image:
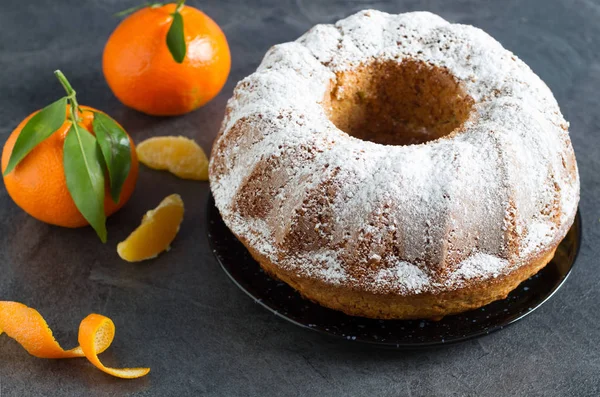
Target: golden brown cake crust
(393,306)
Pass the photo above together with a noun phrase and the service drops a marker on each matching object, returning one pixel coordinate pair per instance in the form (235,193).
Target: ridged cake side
(432,217)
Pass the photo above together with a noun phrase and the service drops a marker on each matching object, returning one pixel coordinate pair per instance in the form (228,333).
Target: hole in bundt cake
(395,103)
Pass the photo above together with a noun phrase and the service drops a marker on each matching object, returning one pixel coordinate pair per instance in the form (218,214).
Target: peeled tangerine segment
(177,154)
(158,229)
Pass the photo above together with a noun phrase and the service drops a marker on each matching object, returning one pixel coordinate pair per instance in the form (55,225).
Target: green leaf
(176,39)
(115,147)
(43,124)
(85,177)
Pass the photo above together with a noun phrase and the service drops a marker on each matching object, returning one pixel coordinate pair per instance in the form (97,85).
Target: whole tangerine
(38,184)
(142,73)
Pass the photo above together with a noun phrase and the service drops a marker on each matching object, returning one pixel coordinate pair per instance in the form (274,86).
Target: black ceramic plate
(285,302)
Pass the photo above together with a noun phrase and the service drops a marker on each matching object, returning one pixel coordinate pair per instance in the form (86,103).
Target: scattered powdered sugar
(449,203)
(322,264)
(404,276)
(539,235)
(477,265)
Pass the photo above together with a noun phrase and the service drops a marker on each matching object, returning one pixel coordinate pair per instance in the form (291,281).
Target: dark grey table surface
(180,314)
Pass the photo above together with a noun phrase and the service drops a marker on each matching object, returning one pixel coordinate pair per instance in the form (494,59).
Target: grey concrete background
(181,316)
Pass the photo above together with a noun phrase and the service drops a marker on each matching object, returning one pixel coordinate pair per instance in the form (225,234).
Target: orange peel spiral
(30,330)
(96,333)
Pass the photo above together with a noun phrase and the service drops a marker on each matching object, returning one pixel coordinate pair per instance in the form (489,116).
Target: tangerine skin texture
(141,71)
(38,184)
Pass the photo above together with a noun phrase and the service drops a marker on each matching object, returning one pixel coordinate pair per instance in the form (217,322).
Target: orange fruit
(38,184)
(177,154)
(142,73)
(158,229)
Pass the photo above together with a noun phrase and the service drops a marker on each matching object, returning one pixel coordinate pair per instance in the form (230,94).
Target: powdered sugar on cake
(402,219)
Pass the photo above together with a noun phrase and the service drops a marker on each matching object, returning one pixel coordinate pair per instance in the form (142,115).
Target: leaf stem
(130,10)
(138,7)
(179,6)
(71,95)
(65,83)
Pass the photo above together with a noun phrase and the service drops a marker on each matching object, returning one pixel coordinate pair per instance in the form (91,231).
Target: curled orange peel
(30,330)
(96,333)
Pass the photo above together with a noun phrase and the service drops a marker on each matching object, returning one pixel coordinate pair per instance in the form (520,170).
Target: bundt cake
(396,166)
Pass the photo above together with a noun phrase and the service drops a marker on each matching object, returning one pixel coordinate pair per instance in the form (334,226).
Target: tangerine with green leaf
(70,165)
(166,59)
